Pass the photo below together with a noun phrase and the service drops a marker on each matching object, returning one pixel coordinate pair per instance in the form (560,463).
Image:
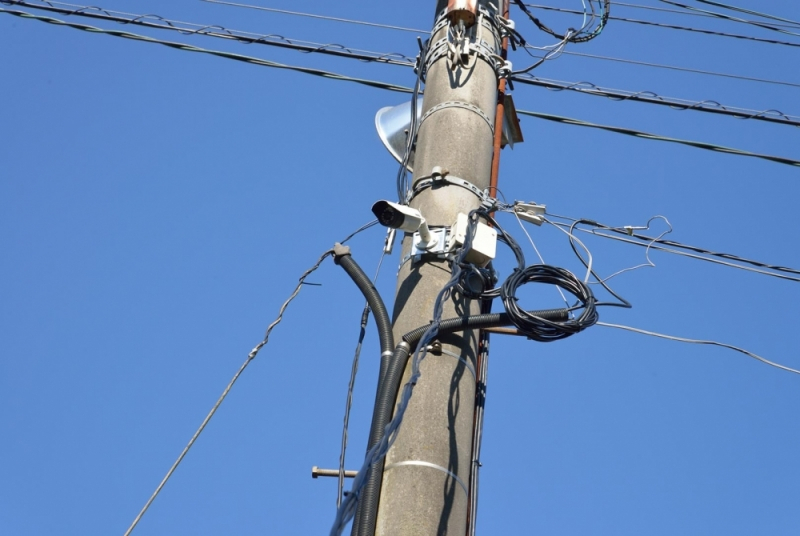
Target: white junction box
(484,243)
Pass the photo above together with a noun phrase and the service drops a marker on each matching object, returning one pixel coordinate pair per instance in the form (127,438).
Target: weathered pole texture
(427,470)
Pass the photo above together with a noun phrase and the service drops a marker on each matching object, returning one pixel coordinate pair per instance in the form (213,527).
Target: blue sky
(157,207)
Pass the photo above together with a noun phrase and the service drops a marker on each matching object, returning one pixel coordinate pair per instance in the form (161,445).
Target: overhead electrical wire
(187,28)
(682,69)
(772,116)
(673,11)
(656,137)
(649,242)
(574,36)
(384,85)
(700,341)
(333,49)
(765,26)
(219,53)
(750,12)
(673,26)
(313,16)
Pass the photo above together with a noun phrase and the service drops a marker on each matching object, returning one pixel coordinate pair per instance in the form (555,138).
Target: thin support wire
(700,341)
(649,263)
(541,259)
(314,16)
(211,413)
(250,357)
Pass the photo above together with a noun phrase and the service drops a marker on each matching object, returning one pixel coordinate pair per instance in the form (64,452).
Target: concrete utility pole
(427,471)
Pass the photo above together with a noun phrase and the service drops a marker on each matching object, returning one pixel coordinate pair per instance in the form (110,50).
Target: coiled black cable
(537,327)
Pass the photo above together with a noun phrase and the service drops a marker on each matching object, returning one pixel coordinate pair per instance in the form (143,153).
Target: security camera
(405,218)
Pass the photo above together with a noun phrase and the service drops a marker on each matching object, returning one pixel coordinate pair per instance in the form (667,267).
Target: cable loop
(538,328)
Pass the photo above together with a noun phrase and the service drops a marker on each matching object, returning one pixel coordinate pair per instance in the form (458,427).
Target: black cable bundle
(536,327)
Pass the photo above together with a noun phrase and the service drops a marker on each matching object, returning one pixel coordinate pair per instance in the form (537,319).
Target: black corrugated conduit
(343,257)
(367,512)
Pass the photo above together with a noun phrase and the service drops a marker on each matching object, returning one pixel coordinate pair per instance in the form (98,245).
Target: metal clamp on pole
(440,177)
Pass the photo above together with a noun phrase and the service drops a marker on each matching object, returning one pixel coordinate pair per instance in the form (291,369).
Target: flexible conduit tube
(367,512)
(342,257)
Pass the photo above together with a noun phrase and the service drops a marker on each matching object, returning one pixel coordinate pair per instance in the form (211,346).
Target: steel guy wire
(675,27)
(391,87)
(750,12)
(351,385)
(314,16)
(188,28)
(649,97)
(700,341)
(656,137)
(770,27)
(250,357)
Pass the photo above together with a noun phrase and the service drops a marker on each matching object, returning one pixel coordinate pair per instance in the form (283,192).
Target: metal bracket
(436,349)
(444,48)
(429,465)
(438,250)
(441,177)
(530,212)
(457,104)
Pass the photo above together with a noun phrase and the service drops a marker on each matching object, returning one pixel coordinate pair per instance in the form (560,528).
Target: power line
(220,32)
(219,53)
(384,85)
(323,17)
(700,341)
(394,58)
(674,26)
(772,116)
(749,12)
(734,19)
(700,253)
(676,68)
(675,11)
(187,28)
(656,137)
